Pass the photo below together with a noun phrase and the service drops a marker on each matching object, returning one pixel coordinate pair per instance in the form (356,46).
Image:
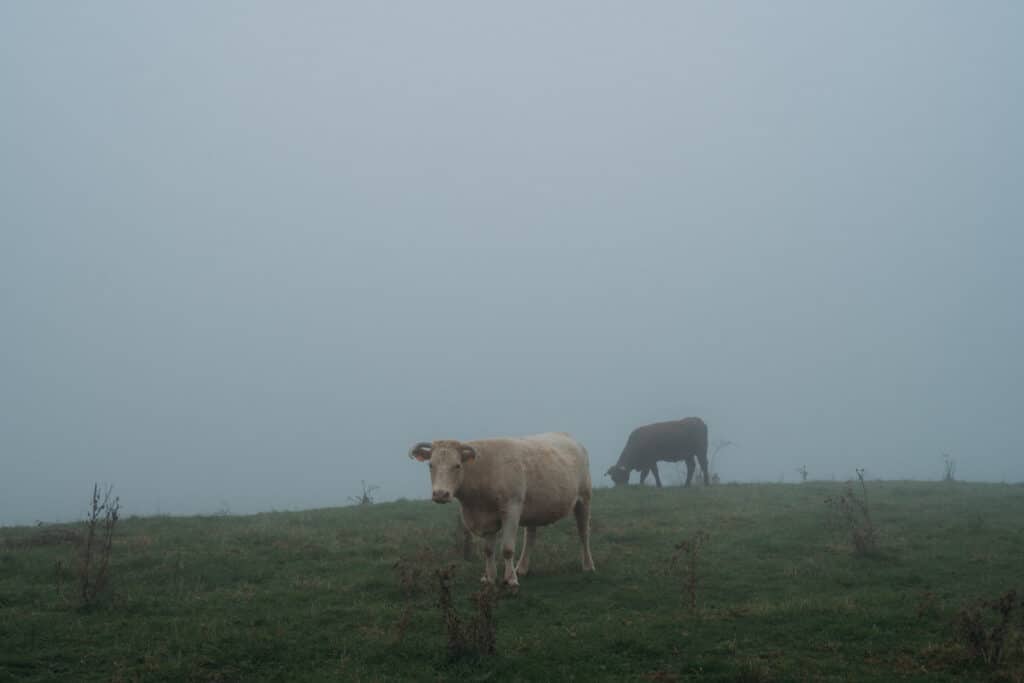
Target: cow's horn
(421,451)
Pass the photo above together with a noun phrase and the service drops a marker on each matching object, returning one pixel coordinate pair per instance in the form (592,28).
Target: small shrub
(854,515)
(479,636)
(983,638)
(948,467)
(94,557)
(366,497)
(483,631)
(717,446)
(456,643)
(691,548)
(802,471)
(412,575)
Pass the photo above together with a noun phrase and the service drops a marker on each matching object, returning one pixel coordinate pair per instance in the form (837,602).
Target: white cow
(506,483)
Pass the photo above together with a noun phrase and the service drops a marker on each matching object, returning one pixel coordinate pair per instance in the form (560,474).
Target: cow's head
(619,474)
(448,460)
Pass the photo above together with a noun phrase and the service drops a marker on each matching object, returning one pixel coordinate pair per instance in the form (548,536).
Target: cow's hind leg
(509,528)
(582,513)
(489,571)
(657,477)
(529,538)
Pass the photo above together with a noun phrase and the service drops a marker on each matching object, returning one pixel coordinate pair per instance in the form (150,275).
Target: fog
(251,252)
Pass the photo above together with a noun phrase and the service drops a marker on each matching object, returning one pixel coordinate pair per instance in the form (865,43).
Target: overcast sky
(250,252)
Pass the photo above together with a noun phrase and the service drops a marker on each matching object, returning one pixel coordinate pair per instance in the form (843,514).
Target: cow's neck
(471,491)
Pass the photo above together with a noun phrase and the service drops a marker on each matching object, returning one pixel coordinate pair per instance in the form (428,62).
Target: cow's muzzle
(442,496)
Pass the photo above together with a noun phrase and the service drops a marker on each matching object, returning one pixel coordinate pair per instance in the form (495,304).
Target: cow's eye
(458,466)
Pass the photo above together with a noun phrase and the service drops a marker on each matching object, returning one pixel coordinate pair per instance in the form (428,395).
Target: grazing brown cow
(506,483)
(672,441)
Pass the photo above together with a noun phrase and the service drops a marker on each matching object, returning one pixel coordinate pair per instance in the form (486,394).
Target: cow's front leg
(489,570)
(509,528)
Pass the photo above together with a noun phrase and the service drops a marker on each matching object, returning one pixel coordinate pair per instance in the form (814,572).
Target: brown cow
(672,441)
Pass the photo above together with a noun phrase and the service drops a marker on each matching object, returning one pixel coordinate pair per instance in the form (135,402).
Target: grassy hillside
(780,593)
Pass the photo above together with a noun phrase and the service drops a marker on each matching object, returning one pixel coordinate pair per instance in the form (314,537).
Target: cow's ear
(468,453)
(421,451)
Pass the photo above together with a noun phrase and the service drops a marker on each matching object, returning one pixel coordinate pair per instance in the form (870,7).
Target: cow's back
(550,472)
(668,441)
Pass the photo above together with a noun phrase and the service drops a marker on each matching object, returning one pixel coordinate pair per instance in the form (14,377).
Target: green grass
(314,595)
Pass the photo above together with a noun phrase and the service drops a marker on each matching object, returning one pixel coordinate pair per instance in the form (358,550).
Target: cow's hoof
(486,579)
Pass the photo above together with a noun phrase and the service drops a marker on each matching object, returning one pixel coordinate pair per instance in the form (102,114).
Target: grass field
(780,594)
